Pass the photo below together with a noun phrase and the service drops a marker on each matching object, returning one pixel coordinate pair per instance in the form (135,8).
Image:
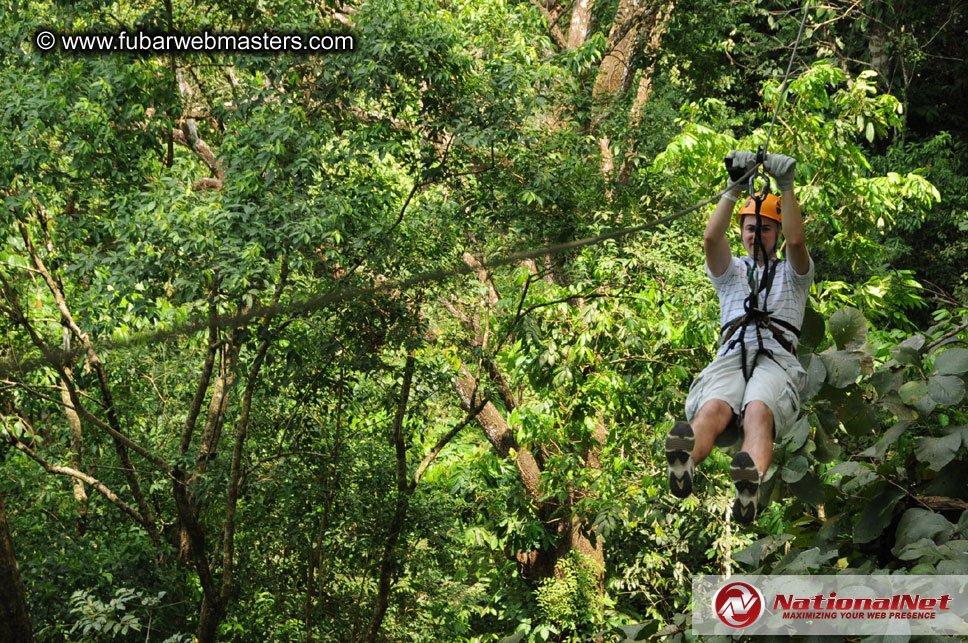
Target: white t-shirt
(788,298)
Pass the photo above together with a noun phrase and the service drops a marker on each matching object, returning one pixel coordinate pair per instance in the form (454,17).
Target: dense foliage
(257,383)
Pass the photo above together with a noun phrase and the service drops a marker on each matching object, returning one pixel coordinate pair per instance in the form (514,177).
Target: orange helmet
(770,209)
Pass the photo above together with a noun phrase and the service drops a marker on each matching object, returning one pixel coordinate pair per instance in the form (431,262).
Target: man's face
(769,233)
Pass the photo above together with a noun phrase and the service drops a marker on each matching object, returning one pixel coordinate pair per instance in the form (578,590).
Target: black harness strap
(754,315)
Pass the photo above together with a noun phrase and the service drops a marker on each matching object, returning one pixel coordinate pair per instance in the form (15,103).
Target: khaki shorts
(775,384)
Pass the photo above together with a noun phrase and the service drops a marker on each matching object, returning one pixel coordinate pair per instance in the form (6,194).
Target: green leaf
(811,331)
(963,524)
(925,547)
(752,556)
(953,361)
(816,374)
(796,436)
(937,452)
(892,402)
(956,567)
(946,390)
(885,380)
(795,469)
(848,327)
(854,413)
(827,448)
(912,392)
(917,523)
(808,489)
(876,515)
(843,368)
(907,356)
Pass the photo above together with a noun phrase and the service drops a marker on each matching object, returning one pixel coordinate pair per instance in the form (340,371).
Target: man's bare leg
(689,443)
(758,434)
(709,423)
(749,465)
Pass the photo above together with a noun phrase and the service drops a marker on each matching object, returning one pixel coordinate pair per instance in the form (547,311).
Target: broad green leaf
(937,452)
(802,562)
(811,332)
(912,392)
(946,390)
(907,356)
(963,524)
(753,555)
(795,469)
(796,436)
(955,567)
(848,327)
(925,547)
(808,489)
(953,361)
(885,380)
(848,469)
(917,523)
(876,515)
(854,413)
(892,402)
(816,374)
(827,449)
(843,368)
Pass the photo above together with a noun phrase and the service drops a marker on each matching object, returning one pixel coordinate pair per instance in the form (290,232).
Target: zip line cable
(786,76)
(348,293)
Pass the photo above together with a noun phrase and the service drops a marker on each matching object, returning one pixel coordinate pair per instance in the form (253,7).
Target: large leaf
(892,402)
(796,436)
(946,390)
(816,374)
(915,393)
(876,515)
(843,367)
(937,452)
(854,413)
(753,555)
(885,380)
(801,562)
(963,524)
(827,449)
(924,549)
(908,352)
(811,331)
(956,567)
(808,489)
(848,327)
(953,361)
(879,450)
(917,523)
(795,469)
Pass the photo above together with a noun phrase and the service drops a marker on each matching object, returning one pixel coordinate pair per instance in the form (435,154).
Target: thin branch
(73,473)
(442,442)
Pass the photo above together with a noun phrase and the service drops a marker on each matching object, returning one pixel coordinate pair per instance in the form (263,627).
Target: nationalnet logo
(830,605)
(900,606)
(738,604)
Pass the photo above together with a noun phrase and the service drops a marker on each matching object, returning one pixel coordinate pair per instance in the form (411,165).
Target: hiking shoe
(679,444)
(747,480)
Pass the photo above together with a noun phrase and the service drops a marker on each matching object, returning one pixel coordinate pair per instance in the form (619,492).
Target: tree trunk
(14,619)
(388,564)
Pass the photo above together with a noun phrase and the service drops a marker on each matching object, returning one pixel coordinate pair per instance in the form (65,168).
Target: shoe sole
(747,480)
(678,447)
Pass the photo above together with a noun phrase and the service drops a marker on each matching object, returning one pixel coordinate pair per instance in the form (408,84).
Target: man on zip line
(753,384)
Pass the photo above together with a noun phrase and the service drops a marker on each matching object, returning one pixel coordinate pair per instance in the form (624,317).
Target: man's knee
(757,417)
(716,414)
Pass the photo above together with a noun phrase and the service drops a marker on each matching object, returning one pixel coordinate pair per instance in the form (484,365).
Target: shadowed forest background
(478,457)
